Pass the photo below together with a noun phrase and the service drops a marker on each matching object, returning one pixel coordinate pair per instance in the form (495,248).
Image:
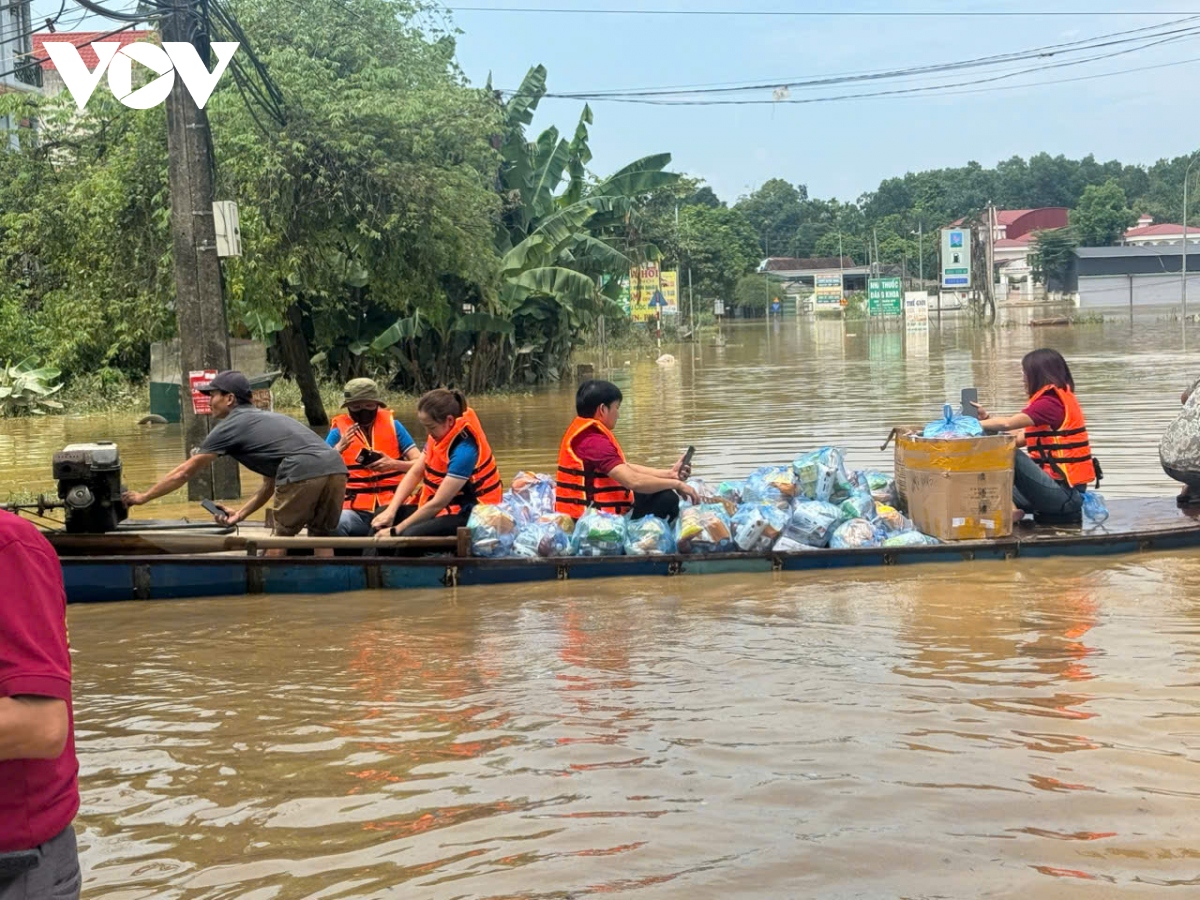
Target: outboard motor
(89,484)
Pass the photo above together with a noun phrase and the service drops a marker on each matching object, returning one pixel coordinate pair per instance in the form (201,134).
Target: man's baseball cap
(362,390)
(230,382)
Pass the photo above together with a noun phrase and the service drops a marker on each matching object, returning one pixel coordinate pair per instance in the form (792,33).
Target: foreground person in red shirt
(39,791)
(593,471)
(1052,475)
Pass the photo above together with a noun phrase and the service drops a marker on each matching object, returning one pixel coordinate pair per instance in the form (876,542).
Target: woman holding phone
(1051,477)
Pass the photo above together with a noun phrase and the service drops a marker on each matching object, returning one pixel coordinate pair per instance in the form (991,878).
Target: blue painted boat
(97,574)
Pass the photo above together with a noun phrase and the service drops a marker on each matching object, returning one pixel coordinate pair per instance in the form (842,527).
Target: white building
(1148,234)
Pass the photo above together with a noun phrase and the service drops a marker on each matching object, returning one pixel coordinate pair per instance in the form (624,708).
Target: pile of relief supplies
(812,504)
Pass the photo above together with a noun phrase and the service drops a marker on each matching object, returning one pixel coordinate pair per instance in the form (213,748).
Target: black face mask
(363,417)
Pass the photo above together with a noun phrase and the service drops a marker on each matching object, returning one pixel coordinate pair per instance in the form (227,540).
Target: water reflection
(853,734)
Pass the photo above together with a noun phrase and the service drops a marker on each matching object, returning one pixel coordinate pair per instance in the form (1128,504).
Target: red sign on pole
(197,380)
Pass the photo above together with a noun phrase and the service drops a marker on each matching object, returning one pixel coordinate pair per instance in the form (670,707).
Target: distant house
(1013,235)
(1148,234)
(52,82)
(15,46)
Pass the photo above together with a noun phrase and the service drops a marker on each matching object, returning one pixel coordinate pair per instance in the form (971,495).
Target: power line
(38,60)
(827,13)
(1101,41)
(921,89)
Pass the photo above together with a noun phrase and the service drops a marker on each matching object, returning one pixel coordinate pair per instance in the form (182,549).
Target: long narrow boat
(152,564)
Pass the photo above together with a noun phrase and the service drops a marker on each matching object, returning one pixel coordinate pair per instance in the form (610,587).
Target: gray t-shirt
(273,445)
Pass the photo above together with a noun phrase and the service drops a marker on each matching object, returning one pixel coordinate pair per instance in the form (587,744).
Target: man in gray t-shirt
(305,475)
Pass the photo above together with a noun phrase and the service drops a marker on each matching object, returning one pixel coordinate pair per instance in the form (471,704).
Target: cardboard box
(956,489)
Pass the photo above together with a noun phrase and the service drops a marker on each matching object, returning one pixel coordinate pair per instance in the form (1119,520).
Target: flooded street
(994,730)
(861,735)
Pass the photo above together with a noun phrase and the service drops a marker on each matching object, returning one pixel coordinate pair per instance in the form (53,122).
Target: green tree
(719,245)
(775,211)
(753,292)
(1053,256)
(1103,214)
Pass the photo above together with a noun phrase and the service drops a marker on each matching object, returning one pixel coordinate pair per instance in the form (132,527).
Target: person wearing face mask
(377,451)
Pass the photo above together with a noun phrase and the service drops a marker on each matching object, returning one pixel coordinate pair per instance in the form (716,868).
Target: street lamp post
(1183,260)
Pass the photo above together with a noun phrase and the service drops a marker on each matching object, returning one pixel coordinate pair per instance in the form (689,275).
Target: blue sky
(843,148)
(838,149)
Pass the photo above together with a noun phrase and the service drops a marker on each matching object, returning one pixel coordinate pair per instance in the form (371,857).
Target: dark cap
(230,382)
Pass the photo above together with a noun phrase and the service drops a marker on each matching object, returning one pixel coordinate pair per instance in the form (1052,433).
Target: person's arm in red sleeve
(35,666)
(598,451)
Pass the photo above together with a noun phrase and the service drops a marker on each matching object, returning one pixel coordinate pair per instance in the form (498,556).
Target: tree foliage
(1103,214)
(1053,256)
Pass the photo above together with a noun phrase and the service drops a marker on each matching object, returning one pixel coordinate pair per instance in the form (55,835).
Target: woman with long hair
(455,471)
(1051,477)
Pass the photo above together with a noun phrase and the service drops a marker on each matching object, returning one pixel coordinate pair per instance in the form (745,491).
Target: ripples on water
(864,735)
(1031,731)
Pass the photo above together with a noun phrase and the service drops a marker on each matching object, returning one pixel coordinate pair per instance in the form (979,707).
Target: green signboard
(885,297)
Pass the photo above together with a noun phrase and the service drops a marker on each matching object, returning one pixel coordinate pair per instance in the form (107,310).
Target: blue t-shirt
(403,438)
(464,456)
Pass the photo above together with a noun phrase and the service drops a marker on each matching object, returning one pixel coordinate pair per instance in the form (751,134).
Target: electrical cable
(827,13)
(1100,41)
(923,90)
(41,59)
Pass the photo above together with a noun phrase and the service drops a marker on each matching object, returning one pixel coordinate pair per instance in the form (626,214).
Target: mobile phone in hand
(687,458)
(970,396)
(211,507)
(367,456)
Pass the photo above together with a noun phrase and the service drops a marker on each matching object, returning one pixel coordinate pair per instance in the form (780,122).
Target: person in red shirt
(39,789)
(1050,480)
(590,443)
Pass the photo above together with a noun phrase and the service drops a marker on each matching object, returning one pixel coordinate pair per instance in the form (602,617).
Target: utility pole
(991,258)
(1183,258)
(199,303)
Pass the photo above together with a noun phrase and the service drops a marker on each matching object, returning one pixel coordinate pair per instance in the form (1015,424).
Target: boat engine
(89,484)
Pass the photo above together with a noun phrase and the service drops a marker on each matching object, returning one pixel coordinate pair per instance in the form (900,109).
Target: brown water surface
(763,397)
(993,730)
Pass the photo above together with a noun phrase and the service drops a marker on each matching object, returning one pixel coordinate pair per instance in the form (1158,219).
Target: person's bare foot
(1018,515)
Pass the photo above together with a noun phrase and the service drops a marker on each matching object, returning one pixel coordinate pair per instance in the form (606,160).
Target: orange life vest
(366,489)
(484,485)
(1065,452)
(577,487)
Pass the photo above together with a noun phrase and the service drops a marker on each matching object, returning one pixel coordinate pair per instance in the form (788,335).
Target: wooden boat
(165,564)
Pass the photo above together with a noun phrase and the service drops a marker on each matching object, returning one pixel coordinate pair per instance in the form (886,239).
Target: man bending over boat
(306,477)
(593,471)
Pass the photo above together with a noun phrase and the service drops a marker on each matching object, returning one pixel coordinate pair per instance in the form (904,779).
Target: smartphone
(969,397)
(212,508)
(367,456)
(687,458)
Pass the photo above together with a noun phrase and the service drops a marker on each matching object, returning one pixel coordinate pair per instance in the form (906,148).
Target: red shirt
(1046,410)
(38,797)
(597,451)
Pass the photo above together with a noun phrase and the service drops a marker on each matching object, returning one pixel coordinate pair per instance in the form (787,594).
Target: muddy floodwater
(1020,729)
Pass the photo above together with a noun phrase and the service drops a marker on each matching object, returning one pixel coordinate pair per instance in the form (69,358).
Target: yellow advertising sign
(652,290)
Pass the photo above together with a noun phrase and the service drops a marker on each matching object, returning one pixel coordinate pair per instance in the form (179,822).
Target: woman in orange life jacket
(593,471)
(368,425)
(455,472)
(1051,477)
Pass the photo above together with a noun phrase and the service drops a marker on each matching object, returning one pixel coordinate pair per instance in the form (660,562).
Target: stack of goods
(812,505)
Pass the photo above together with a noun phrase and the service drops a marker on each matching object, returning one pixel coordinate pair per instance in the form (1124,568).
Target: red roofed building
(52,83)
(1147,234)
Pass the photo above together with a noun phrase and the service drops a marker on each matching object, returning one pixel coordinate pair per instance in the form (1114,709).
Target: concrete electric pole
(199,300)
